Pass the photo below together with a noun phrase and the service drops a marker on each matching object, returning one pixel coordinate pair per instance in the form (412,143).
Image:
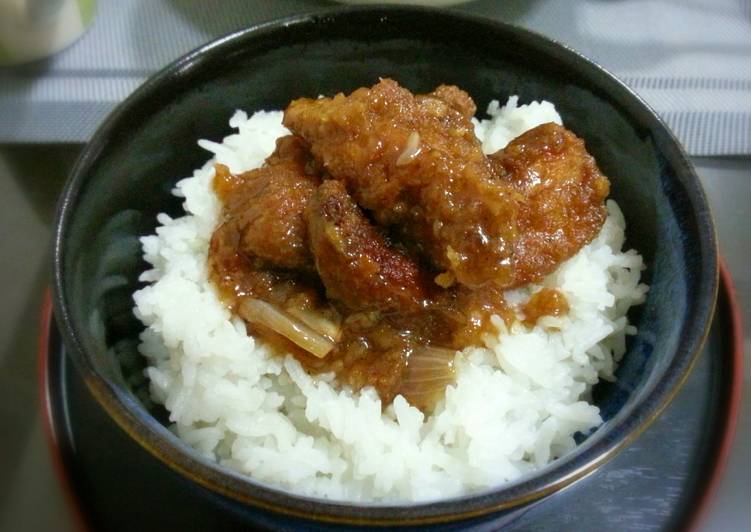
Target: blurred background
(65,64)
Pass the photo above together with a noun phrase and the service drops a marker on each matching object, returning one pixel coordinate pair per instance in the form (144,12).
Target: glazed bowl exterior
(125,174)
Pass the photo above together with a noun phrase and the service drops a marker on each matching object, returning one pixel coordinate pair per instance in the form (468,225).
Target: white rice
(516,405)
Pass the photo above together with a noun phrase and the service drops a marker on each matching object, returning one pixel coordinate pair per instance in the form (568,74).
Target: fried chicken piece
(237,275)
(456,98)
(564,193)
(292,152)
(358,266)
(266,206)
(415,163)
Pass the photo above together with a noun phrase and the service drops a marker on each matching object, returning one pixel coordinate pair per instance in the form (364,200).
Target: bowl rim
(150,435)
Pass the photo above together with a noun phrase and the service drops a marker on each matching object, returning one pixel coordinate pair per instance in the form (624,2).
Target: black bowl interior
(125,176)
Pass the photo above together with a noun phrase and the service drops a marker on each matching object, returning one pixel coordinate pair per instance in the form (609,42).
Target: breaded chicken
(455,98)
(266,206)
(357,265)
(564,194)
(415,163)
(462,228)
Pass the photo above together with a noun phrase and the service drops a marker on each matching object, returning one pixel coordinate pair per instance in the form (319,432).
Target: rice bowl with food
(517,394)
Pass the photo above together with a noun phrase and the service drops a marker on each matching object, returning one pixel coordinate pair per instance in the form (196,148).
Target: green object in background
(34,29)
(4,55)
(87,8)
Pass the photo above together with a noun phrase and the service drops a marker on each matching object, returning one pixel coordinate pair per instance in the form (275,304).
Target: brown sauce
(384,297)
(386,350)
(546,302)
(383,349)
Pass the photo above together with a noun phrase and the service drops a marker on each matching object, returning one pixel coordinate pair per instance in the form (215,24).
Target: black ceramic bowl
(123,179)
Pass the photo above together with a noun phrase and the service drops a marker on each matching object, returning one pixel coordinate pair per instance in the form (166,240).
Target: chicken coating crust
(415,163)
(360,269)
(414,166)
(266,206)
(458,99)
(564,193)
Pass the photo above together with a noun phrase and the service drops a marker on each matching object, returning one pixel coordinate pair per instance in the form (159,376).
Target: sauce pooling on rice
(377,239)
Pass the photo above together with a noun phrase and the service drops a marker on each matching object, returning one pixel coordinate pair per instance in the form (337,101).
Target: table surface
(30,180)
(31,177)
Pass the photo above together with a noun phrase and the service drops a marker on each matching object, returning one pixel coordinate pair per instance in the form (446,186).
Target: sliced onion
(411,149)
(316,321)
(429,371)
(263,313)
(427,358)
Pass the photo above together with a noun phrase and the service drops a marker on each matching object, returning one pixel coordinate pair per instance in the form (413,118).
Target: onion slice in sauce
(266,314)
(411,149)
(429,371)
(320,324)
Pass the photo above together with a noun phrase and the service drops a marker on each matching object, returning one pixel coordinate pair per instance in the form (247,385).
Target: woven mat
(689,59)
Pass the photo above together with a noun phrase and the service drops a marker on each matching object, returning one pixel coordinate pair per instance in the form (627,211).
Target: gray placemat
(689,59)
